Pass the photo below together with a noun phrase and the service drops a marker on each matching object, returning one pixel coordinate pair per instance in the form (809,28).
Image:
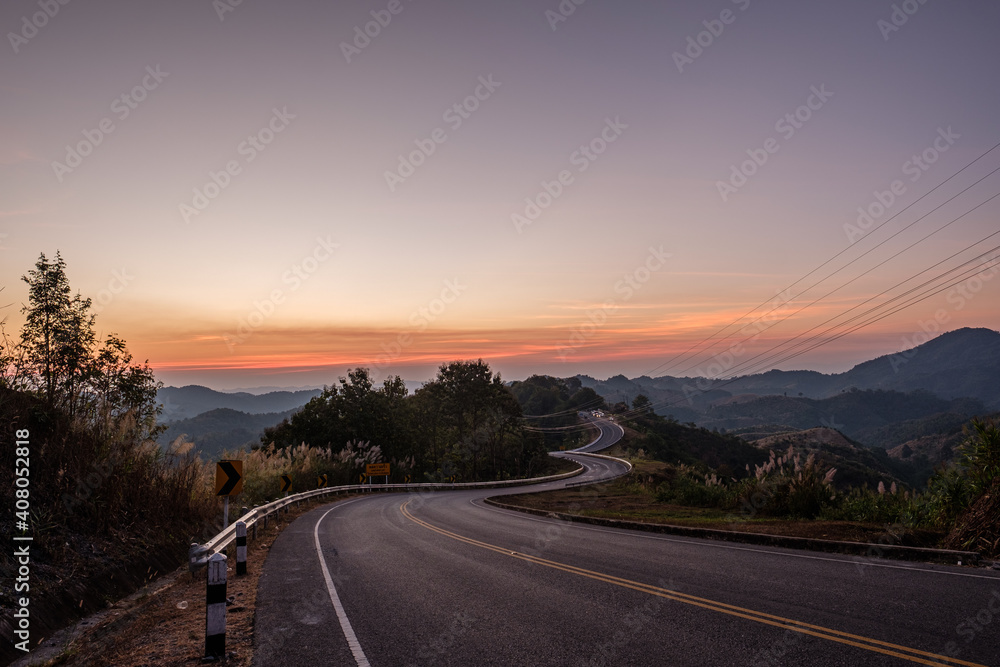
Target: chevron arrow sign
(228,478)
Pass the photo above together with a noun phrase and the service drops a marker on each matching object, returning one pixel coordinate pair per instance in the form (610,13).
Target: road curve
(610,434)
(443,579)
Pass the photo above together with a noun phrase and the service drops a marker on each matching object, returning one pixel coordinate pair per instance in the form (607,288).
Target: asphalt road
(442,579)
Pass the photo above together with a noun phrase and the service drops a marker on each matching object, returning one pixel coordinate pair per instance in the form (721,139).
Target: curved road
(443,579)
(610,434)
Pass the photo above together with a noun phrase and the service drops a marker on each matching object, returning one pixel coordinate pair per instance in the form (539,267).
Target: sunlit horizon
(254,205)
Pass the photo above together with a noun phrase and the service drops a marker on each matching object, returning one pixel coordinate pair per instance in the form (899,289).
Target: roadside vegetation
(108,508)
(701,469)
(465,425)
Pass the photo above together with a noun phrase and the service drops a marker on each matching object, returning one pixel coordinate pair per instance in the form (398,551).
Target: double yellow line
(866,643)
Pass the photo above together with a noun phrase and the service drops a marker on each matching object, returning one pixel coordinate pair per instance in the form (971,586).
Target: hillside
(855,413)
(856,465)
(965,362)
(192,400)
(222,428)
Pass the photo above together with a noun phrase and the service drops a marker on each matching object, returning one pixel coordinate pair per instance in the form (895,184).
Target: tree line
(464,424)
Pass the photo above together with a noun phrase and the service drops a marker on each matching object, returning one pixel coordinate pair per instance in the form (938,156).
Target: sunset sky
(262,194)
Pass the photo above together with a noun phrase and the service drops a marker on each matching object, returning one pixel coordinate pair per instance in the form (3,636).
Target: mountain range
(964,363)
(193,400)
(912,402)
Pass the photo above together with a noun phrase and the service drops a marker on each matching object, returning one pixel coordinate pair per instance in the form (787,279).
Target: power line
(668,365)
(875,318)
(883,262)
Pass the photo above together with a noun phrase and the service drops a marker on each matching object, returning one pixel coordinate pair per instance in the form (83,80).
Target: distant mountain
(222,428)
(965,362)
(956,364)
(192,400)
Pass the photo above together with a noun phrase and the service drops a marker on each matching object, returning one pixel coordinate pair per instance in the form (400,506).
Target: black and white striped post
(241,548)
(215,608)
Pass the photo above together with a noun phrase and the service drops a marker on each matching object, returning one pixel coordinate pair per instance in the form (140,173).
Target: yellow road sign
(377,469)
(228,478)
(363,478)
(286,483)
(321,481)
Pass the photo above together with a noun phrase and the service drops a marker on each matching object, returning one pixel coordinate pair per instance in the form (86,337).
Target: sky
(267,194)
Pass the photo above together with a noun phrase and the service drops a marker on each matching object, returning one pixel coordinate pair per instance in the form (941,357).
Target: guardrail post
(215,608)
(241,548)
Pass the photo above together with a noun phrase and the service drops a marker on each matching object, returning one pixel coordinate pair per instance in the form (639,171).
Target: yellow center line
(866,643)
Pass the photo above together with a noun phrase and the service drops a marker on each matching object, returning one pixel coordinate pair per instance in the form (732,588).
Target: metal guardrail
(198,554)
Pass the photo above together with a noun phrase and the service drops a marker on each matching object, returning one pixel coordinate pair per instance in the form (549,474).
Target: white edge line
(345,624)
(864,562)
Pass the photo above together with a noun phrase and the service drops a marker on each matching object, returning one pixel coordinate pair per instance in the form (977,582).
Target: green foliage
(867,506)
(553,403)
(687,487)
(666,440)
(980,456)
(465,423)
(355,410)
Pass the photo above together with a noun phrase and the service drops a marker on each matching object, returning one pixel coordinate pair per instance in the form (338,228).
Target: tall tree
(123,393)
(482,413)
(58,333)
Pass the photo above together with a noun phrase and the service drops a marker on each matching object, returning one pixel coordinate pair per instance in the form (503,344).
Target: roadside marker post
(228,482)
(241,548)
(215,608)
